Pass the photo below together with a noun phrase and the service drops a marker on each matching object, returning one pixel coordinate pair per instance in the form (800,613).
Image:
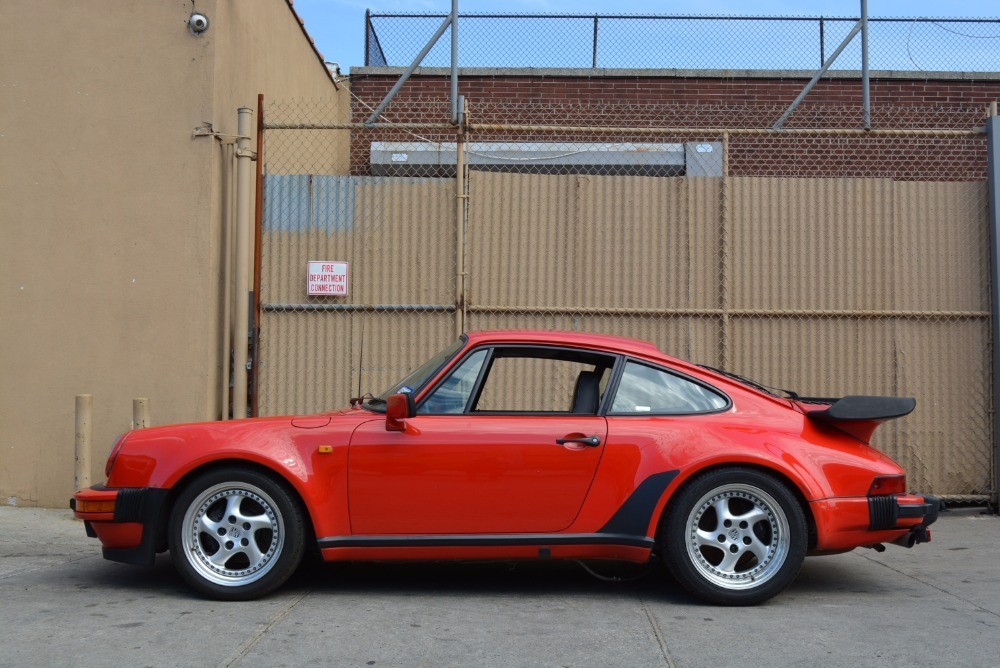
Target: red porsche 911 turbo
(520,445)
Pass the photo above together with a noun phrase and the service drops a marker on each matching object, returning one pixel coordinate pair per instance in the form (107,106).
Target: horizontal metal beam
(683,17)
(601,129)
(358,126)
(359,308)
(848,132)
(734,313)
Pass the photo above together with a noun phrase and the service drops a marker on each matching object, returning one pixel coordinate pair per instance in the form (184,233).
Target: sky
(337,26)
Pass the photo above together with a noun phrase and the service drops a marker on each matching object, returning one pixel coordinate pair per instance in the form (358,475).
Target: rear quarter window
(644,389)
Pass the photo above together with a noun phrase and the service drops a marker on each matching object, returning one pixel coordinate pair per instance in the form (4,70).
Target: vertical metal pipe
(865,95)
(225,354)
(140,413)
(993,208)
(241,295)
(822,41)
(460,211)
(593,60)
(454,61)
(83,441)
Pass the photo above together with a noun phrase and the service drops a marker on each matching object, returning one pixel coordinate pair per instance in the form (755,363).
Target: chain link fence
(821,258)
(685,42)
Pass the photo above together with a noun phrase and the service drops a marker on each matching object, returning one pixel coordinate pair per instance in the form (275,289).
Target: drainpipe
(241,293)
(226,353)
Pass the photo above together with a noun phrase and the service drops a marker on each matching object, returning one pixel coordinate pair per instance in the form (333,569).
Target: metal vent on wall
(596,158)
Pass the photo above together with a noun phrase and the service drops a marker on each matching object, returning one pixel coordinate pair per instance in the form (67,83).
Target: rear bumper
(894,510)
(847,523)
(130,522)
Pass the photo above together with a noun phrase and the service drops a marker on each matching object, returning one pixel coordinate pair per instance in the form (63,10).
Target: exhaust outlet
(907,540)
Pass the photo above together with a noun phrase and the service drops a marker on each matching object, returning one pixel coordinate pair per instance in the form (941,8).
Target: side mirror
(398,407)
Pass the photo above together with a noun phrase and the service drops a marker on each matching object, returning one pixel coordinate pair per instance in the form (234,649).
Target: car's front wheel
(235,534)
(735,536)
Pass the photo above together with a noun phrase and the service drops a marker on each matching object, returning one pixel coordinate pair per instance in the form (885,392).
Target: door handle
(589,441)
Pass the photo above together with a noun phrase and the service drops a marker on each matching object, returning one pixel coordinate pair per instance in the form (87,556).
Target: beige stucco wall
(111,213)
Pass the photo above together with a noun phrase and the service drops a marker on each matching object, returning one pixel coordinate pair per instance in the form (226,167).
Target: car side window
(452,395)
(645,389)
(539,380)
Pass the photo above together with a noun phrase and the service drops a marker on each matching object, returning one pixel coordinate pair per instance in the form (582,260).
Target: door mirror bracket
(399,408)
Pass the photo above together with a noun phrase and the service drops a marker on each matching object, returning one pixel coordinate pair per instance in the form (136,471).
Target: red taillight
(114,454)
(887,484)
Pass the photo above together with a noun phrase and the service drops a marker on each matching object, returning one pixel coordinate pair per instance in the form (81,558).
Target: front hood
(157,456)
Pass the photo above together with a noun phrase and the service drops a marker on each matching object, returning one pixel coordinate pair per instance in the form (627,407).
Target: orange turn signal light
(95,506)
(887,484)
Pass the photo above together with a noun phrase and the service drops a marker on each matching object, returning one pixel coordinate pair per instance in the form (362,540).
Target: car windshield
(418,378)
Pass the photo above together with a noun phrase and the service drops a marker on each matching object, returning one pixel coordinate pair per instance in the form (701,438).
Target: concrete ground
(61,604)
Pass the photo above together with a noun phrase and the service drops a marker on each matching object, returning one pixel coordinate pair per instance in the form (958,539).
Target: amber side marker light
(887,484)
(94,506)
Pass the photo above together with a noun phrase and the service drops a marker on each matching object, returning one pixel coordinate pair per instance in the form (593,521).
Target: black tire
(734,536)
(217,515)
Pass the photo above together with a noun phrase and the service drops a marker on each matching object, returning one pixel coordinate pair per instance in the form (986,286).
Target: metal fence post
(593,60)
(258,219)
(368,28)
(461,198)
(822,41)
(866,104)
(993,209)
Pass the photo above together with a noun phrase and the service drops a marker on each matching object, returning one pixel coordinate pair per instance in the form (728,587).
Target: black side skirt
(488,540)
(626,527)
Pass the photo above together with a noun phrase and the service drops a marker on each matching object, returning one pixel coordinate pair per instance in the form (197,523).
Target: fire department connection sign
(326,278)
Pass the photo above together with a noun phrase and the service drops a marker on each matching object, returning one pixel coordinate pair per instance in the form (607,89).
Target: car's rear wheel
(735,536)
(236,534)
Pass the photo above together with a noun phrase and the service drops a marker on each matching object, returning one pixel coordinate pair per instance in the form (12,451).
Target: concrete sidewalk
(61,604)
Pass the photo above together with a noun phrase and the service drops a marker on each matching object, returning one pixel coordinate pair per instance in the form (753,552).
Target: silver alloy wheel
(232,534)
(738,536)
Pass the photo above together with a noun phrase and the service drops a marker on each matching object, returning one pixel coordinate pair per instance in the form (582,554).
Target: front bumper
(130,522)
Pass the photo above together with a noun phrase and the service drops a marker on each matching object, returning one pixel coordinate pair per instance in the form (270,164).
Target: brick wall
(674,90)
(723,102)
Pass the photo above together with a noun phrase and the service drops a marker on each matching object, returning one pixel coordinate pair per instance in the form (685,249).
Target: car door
(494,448)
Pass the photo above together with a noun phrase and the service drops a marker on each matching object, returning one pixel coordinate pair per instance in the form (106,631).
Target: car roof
(619,344)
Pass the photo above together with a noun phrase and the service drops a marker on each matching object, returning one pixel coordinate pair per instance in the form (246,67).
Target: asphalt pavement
(62,605)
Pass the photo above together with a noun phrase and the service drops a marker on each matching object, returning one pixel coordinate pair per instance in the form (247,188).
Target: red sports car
(520,445)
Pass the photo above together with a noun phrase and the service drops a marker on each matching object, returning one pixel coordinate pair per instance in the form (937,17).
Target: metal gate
(820,258)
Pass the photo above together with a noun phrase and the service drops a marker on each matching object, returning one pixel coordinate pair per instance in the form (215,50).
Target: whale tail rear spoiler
(859,416)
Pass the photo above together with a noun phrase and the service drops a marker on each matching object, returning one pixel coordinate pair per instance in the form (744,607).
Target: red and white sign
(326,278)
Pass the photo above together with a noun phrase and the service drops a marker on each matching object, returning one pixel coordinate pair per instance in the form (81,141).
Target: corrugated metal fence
(868,277)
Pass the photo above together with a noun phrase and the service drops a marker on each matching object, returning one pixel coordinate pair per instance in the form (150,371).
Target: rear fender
(793,473)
